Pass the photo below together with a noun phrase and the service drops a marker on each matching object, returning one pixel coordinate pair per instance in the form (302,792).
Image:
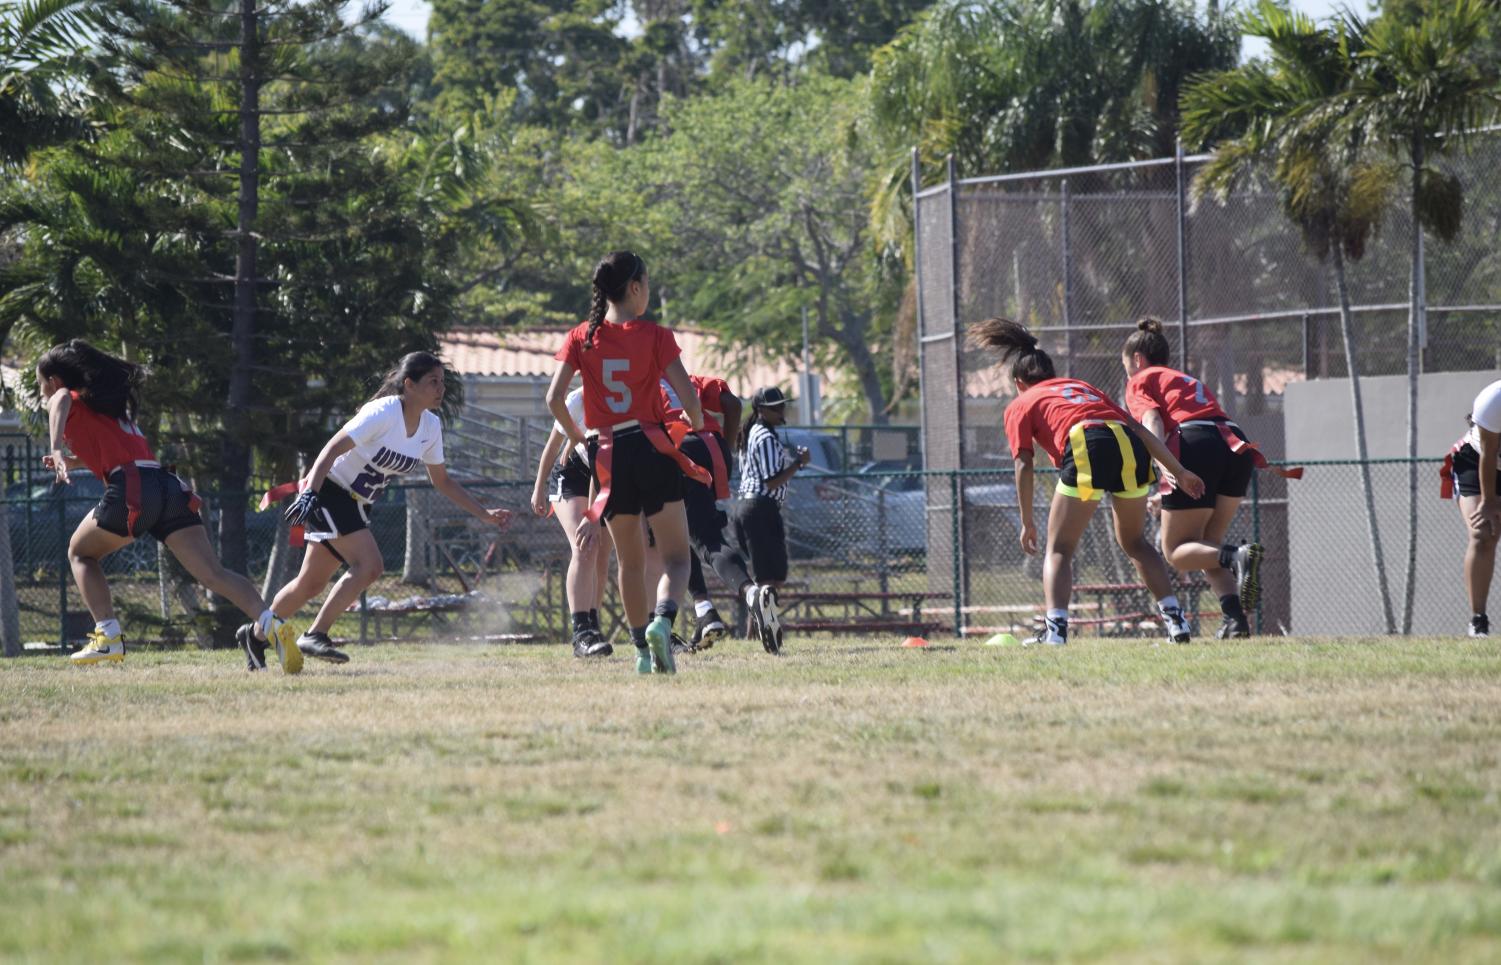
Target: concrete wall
(1333,584)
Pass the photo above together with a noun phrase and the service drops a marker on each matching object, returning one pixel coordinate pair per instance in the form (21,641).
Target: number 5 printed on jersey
(619,398)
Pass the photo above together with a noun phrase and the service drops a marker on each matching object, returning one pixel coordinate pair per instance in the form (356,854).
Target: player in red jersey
(637,468)
(91,408)
(710,449)
(1180,410)
(1097,448)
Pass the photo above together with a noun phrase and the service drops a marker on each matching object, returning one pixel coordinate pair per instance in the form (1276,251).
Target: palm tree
(41,48)
(1425,84)
(1281,118)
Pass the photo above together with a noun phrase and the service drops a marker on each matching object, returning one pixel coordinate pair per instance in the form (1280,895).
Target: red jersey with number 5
(1048,410)
(710,397)
(1179,397)
(621,371)
(102,443)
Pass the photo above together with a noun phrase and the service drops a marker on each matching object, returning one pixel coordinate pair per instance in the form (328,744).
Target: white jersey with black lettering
(383,451)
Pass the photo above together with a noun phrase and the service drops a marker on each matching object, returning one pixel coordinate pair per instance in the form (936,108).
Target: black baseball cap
(769,395)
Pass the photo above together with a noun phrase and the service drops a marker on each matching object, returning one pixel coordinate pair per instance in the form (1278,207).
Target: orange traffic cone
(914,642)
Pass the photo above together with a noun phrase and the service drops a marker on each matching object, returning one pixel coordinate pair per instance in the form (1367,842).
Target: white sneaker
(1178,630)
(1054,633)
(99,649)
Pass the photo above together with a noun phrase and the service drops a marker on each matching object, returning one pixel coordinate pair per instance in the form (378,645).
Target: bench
(909,628)
(808,611)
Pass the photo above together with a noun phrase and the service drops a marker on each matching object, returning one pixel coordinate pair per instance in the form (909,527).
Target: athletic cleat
(709,630)
(597,645)
(765,621)
(1480,625)
(659,642)
(1178,630)
(679,645)
(1053,633)
(315,643)
(583,643)
(255,650)
(100,649)
(284,641)
(1233,628)
(1247,569)
(643,660)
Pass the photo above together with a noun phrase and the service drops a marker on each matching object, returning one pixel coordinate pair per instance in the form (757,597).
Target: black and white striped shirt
(765,456)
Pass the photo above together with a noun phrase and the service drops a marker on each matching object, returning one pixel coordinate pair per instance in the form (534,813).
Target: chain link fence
(1079,255)
(863,557)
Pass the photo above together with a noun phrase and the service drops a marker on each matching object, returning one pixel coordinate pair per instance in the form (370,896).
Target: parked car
(811,513)
(886,512)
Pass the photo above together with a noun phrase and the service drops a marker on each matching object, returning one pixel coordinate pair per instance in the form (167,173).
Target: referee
(766,466)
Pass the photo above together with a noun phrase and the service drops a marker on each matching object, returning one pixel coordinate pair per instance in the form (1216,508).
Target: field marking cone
(914,642)
(1002,640)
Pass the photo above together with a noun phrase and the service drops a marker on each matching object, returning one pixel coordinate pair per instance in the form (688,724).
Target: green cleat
(659,639)
(643,660)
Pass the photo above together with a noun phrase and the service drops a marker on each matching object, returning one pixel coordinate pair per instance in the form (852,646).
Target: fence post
(1256,532)
(63,569)
(1068,318)
(1307,346)
(883,563)
(922,330)
(958,575)
(364,616)
(1182,196)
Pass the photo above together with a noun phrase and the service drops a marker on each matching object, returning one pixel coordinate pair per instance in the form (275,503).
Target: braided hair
(1018,346)
(109,384)
(1149,341)
(612,277)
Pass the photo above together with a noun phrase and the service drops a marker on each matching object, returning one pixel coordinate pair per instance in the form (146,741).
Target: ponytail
(612,277)
(742,439)
(109,384)
(1149,341)
(1018,346)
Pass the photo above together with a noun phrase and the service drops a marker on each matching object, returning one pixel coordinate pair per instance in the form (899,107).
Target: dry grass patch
(1296,801)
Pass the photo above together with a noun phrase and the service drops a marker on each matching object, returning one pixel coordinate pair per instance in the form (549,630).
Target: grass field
(1262,800)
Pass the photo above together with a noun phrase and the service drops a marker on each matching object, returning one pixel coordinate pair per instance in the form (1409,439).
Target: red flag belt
(681,430)
(132,496)
(604,456)
(1237,445)
(275,495)
(1446,471)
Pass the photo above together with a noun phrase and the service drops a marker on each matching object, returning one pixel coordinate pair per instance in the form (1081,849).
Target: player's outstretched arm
(1187,481)
(445,484)
(1026,485)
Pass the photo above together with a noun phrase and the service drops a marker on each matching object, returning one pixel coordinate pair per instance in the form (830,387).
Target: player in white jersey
(1473,467)
(563,483)
(392,434)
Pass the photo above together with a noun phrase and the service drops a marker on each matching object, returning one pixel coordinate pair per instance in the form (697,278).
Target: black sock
(668,609)
(1227,556)
(580,621)
(1230,606)
(594,619)
(638,637)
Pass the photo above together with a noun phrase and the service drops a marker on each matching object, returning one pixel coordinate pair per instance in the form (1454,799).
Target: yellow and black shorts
(1105,457)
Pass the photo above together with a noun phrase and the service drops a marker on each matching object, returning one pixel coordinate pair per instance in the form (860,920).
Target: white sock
(1058,614)
(701,608)
(750,594)
(265,622)
(1169,602)
(110,628)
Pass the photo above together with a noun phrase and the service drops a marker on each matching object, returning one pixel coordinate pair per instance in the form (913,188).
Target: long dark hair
(742,439)
(1018,346)
(415,366)
(109,384)
(1149,341)
(612,276)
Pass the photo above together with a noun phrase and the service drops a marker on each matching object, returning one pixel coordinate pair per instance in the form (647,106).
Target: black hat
(769,395)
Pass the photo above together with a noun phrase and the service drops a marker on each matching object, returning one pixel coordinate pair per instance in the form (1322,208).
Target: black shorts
(642,480)
(1203,452)
(569,480)
(164,505)
(1113,461)
(706,522)
(335,514)
(758,528)
(1467,471)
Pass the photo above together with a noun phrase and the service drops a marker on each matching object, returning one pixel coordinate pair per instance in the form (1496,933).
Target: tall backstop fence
(861,543)
(1078,255)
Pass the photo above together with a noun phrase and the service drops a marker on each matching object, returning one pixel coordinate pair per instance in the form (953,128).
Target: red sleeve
(710,393)
(1141,397)
(667,348)
(569,353)
(1018,428)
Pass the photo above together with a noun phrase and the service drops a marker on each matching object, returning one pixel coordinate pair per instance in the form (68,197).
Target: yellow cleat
(284,638)
(100,648)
